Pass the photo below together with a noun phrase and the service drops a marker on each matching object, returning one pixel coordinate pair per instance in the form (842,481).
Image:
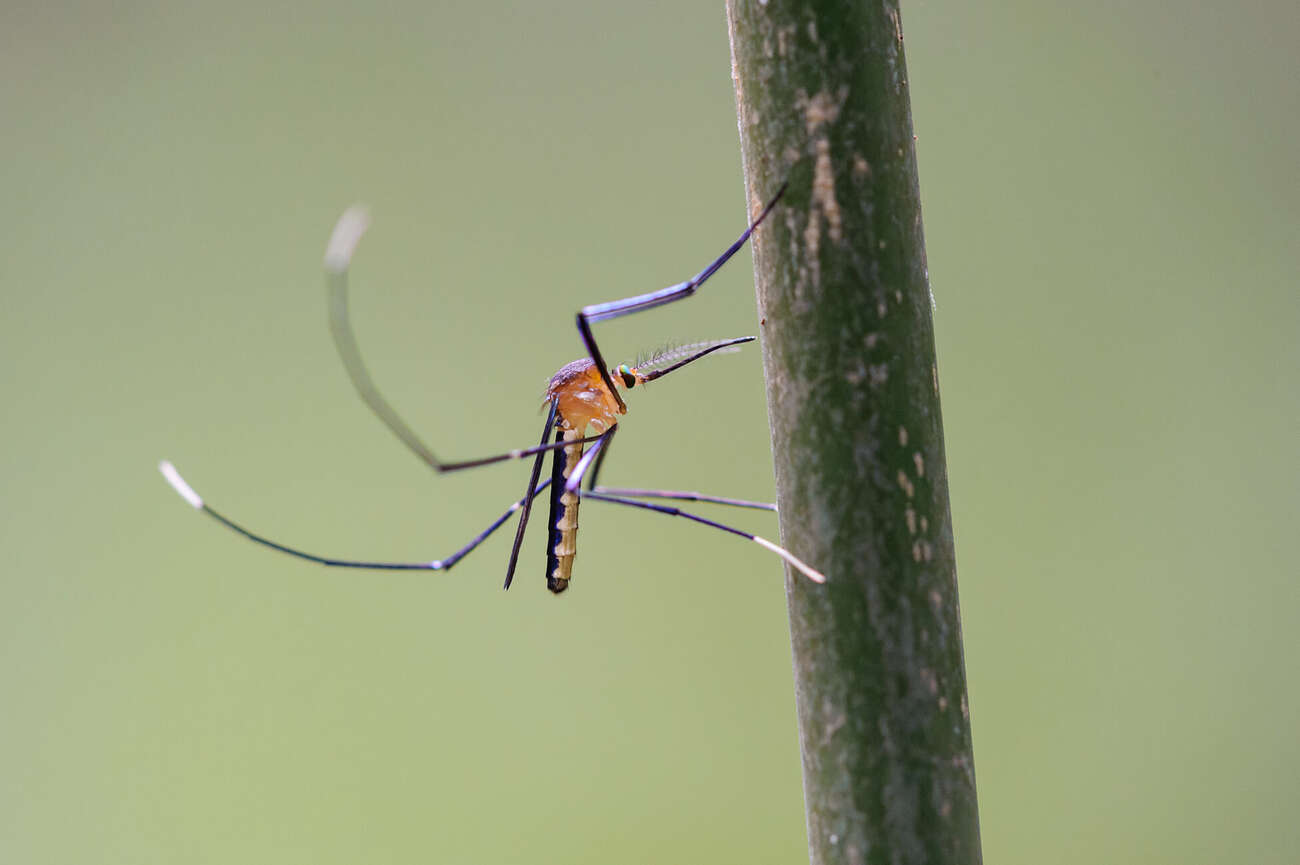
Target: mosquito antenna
(692,356)
(671,352)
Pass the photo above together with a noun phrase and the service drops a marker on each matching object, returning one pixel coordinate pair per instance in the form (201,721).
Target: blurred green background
(1111,209)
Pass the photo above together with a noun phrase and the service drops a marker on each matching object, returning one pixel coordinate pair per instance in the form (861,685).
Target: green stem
(848,349)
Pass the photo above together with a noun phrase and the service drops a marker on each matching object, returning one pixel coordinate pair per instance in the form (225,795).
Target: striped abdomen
(564,512)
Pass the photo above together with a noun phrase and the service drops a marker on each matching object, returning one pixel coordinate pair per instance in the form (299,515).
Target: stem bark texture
(853,396)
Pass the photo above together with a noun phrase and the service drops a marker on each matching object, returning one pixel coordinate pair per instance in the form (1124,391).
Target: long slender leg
(600,459)
(594,455)
(614,309)
(347,233)
(682,496)
(187,492)
(812,574)
(509,455)
(679,495)
(529,494)
(602,450)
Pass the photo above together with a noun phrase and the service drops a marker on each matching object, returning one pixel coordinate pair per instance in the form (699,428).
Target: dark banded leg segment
(187,492)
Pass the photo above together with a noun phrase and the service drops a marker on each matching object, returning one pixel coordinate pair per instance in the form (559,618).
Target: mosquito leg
(530,493)
(600,459)
(595,455)
(614,309)
(347,233)
(496,524)
(338,256)
(187,492)
(682,496)
(627,306)
(593,350)
(511,455)
(584,464)
(810,573)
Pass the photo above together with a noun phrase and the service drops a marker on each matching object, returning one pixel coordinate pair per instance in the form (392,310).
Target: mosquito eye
(629,379)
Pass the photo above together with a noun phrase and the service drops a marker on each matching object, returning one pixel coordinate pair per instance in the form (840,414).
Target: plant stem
(848,350)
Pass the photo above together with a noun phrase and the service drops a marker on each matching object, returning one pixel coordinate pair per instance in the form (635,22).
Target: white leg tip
(347,234)
(183,489)
(814,575)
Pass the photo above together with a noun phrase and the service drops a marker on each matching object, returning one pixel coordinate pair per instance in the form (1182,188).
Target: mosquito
(582,395)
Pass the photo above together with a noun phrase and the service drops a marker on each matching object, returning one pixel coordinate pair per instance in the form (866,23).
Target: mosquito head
(628,376)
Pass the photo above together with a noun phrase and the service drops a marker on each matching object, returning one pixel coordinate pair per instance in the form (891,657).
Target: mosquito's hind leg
(811,573)
(681,496)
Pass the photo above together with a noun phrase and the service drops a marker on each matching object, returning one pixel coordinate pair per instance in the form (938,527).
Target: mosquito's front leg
(529,493)
(628,305)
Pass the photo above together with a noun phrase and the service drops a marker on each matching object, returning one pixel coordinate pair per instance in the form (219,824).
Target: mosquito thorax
(582,397)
